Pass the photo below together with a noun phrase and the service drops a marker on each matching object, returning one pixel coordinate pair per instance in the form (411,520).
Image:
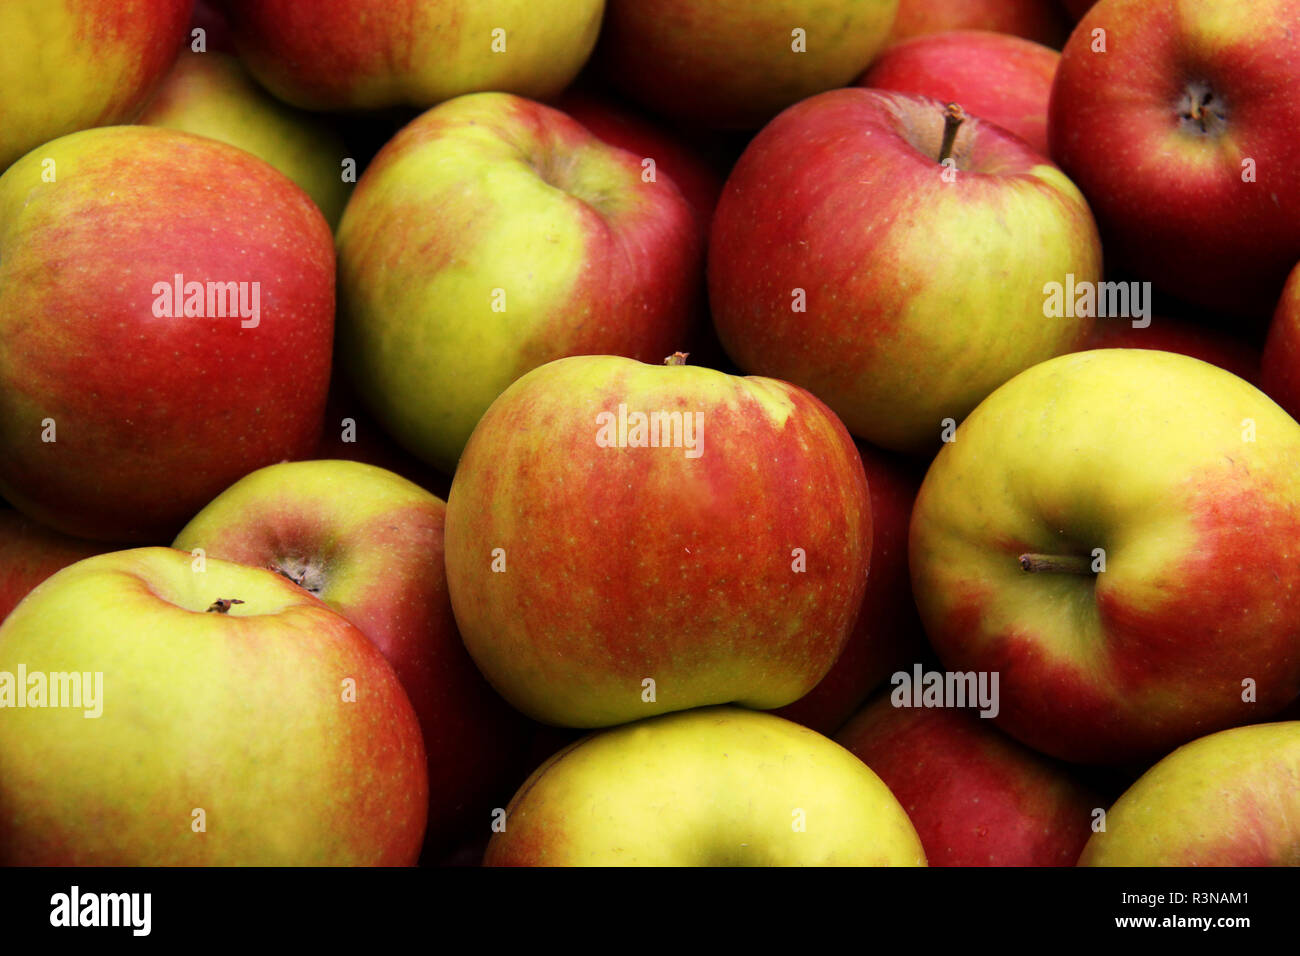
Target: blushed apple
(30,553)
(1036,20)
(1280,373)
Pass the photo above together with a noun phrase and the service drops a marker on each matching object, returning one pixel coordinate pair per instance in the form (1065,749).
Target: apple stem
(223,605)
(1056,564)
(953,117)
(677,358)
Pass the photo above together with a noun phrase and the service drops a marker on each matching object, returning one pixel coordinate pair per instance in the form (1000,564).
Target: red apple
(1003,79)
(607,565)
(369,544)
(30,553)
(1077,8)
(1280,375)
(842,272)
(1036,20)
(166,315)
(1180,135)
(975,796)
(888,633)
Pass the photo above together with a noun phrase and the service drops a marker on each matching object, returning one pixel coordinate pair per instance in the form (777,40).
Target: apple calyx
(307,575)
(1199,106)
(223,605)
(1056,564)
(677,358)
(953,117)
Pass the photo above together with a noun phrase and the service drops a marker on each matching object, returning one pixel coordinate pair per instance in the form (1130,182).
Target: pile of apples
(653,432)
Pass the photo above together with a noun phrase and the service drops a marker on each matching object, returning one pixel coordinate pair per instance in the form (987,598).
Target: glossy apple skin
(1001,78)
(239,714)
(450,211)
(887,635)
(886,250)
(1036,20)
(975,796)
(372,54)
(30,553)
(153,416)
(1142,454)
(211,94)
(1170,198)
(627,563)
(1166,334)
(686,59)
(734,780)
(1229,799)
(369,544)
(1280,376)
(73,64)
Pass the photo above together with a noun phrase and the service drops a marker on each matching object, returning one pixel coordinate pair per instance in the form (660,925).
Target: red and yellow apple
(30,553)
(1037,20)
(1280,371)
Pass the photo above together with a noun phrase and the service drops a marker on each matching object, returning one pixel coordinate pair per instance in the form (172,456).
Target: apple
(373,54)
(1000,78)
(975,796)
(845,272)
(490,236)
(714,787)
(369,544)
(1036,20)
(1114,533)
(1229,799)
(1280,371)
(625,540)
(30,553)
(211,94)
(1077,8)
(1179,134)
(887,634)
(270,733)
(72,64)
(1167,334)
(166,314)
(737,63)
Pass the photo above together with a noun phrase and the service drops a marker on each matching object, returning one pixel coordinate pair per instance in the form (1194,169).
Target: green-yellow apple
(161,712)
(625,540)
(1037,20)
(370,54)
(719,786)
(1280,366)
(898,270)
(1175,117)
(1004,79)
(166,320)
(737,63)
(30,553)
(492,235)
(369,544)
(1114,533)
(1229,799)
(975,796)
(71,64)
(211,94)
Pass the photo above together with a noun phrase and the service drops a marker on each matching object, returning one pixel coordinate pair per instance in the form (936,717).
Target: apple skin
(73,64)
(240,714)
(1280,371)
(1145,455)
(731,63)
(1170,198)
(450,212)
(1166,334)
(1004,79)
(1229,799)
(373,54)
(153,416)
(1036,20)
(211,94)
(369,544)
(628,563)
(887,634)
(886,251)
(30,553)
(975,796)
(735,781)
